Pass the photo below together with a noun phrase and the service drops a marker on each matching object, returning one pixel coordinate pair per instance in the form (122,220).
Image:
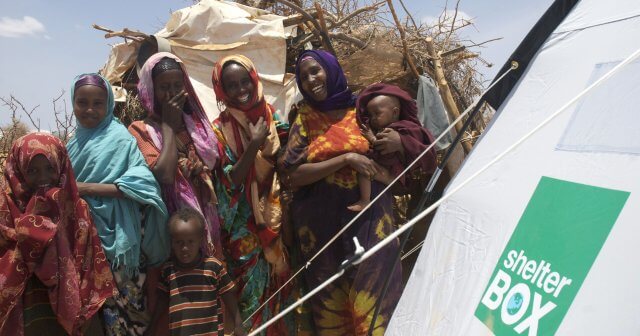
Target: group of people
(181,226)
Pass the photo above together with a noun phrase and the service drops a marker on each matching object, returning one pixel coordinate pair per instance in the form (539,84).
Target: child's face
(186,238)
(40,173)
(89,105)
(383,111)
(237,84)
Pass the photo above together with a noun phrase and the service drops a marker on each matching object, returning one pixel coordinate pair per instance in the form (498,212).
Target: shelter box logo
(548,257)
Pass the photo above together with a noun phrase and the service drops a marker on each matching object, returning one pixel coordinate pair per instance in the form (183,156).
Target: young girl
(47,240)
(386,110)
(125,203)
(247,188)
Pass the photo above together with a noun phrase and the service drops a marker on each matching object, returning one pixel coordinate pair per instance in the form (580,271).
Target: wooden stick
(325,37)
(412,65)
(445,91)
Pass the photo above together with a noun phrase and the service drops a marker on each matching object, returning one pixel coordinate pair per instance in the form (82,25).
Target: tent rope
(359,214)
(374,249)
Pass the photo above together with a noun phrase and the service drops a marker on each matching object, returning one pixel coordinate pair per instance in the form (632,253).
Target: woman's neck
(336,114)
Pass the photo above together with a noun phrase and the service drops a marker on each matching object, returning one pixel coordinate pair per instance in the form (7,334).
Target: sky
(44,44)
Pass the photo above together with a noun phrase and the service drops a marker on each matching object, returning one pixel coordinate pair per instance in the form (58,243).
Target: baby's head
(186,227)
(383,110)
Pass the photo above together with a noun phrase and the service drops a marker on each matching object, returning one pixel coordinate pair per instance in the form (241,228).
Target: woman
(125,203)
(247,187)
(178,143)
(324,154)
(48,241)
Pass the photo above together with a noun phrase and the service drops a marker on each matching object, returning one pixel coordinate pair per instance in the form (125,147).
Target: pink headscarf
(181,194)
(197,123)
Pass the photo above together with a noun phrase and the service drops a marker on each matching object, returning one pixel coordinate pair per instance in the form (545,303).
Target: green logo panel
(548,257)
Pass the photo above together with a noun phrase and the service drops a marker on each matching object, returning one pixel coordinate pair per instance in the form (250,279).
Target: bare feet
(358,206)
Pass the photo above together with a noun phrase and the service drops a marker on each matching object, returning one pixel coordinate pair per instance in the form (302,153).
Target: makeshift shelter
(207,31)
(543,241)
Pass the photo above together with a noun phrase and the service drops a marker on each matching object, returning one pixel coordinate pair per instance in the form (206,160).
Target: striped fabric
(194,297)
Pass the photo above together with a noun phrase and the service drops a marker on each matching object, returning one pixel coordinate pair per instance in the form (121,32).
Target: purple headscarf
(90,79)
(339,95)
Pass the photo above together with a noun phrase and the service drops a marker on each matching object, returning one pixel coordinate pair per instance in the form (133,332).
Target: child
(191,284)
(382,109)
(50,251)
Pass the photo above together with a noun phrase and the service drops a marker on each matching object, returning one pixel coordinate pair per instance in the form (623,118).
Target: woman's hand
(362,164)
(388,141)
(172,110)
(259,131)
(82,188)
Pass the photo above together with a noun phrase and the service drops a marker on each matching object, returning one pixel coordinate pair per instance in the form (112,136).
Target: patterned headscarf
(258,104)
(197,122)
(339,95)
(49,233)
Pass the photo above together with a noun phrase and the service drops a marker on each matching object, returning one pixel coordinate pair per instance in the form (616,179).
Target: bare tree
(64,122)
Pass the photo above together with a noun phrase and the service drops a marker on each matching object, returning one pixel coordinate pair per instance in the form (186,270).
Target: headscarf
(415,138)
(408,107)
(339,95)
(234,126)
(49,234)
(197,123)
(181,193)
(109,154)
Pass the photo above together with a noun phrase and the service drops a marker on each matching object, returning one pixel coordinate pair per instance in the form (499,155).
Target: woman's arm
(258,133)
(167,164)
(230,301)
(308,173)
(99,189)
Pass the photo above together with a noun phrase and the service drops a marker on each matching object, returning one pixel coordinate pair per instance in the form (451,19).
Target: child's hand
(367,133)
(239,330)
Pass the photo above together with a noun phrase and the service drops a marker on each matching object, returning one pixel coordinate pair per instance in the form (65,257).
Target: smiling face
(186,239)
(383,111)
(167,85)
(89,105)
(237,84)
(313,79)
(40,173)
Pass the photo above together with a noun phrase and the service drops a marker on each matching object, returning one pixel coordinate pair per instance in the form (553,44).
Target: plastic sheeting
(458,285)
(209,30)
(431,111)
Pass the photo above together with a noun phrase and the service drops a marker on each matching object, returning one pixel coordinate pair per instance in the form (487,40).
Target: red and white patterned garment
(49,234)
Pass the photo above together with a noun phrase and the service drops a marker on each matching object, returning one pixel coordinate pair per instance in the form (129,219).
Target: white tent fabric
(450,285)
(209,30)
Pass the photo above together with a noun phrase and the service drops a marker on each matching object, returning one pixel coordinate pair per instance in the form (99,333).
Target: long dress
(196,144)
(319,211)
(254,253)
(51,263)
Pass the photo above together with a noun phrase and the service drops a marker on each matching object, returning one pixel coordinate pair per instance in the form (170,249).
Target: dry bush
(64,127)
(357,30)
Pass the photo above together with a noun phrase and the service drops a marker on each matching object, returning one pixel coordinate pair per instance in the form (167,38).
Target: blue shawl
(108,154)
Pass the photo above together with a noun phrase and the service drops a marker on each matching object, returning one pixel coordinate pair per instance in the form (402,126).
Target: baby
(192,284)
(382,108)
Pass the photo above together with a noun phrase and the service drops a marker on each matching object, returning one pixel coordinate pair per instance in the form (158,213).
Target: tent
(543,241)
(209,30)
